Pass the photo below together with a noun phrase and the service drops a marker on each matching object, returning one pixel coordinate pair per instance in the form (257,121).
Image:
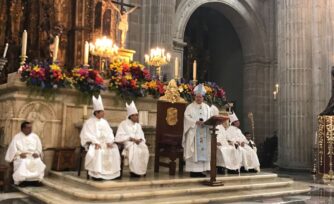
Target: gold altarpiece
(74,22)
(325,146)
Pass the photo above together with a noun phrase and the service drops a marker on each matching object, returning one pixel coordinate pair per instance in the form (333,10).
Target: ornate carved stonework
(43,118)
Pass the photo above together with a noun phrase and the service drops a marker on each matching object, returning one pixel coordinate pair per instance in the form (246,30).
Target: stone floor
(321,192)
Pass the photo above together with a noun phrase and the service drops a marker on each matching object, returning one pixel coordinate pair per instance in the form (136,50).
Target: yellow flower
(55,67)
(128,77)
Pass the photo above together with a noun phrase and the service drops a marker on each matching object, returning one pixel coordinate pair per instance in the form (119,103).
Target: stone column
(162,20)
(178,48)
(294,45)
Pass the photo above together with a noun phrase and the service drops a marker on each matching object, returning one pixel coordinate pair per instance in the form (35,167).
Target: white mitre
(200,90)
(131,109)
(233,117)
(97,103)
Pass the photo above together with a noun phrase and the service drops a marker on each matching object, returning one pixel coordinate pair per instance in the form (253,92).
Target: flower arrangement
(215,94)
(44,75)
(88,81)
(186,91)
(127,79)
(155,88)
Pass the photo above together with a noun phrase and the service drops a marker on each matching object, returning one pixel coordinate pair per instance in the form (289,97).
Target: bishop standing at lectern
(102,158)
(196,139)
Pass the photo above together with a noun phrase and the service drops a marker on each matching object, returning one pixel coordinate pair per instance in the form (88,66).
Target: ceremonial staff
(251,120)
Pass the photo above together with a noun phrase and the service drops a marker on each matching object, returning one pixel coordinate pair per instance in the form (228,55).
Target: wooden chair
(169,132)
(170,147)
(4,179)
(82,154)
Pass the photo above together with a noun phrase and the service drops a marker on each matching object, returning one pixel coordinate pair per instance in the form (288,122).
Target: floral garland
(129,80)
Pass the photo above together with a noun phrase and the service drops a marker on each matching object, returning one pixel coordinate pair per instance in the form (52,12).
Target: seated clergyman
(25,151)
(102,158)
(131,134)
(250,160)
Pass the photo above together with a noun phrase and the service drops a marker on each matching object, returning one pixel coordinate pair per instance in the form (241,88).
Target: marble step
(48,195)
(222,197)
(88,193)
(157,180)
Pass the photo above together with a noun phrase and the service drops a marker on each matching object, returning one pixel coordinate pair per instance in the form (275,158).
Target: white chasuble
(250,159)
(227,155)
(135,155)
(29,168)
(101,163)
(196,140)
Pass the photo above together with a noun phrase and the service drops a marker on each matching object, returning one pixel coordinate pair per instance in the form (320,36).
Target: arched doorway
(257,77)
(214,44)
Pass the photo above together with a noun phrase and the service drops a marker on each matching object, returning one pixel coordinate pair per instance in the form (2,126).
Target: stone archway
(251,33)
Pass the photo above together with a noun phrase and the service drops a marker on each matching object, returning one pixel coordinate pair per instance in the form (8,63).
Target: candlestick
(176,68)
(277,88)
(24,44)
(55,52)
(275,95)
(86,54)
(85,111)
(5,51)
(194,70)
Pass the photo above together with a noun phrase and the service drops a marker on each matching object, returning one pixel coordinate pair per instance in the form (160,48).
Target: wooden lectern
(213,122)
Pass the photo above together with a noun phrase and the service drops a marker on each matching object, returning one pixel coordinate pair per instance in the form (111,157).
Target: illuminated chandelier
(157,58)
(104,47)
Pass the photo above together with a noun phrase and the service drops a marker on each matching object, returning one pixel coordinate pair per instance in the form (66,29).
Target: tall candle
(85,110)
(24,44)
(277,87)
(5,51)
(55,52)
(176,68)
(86,53)
(194,70)
(275,95)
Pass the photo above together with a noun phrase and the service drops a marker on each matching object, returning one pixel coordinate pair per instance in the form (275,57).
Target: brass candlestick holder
(23,60)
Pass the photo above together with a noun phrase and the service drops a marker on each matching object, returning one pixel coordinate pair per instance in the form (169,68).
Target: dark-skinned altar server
(102,158)
(131,134)
(25,151)
(196,139)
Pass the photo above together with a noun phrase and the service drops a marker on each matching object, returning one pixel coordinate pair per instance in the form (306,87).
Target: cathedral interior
(272,57)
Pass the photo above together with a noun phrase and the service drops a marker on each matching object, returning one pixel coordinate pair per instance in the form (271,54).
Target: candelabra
(157,58)
(104,48)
